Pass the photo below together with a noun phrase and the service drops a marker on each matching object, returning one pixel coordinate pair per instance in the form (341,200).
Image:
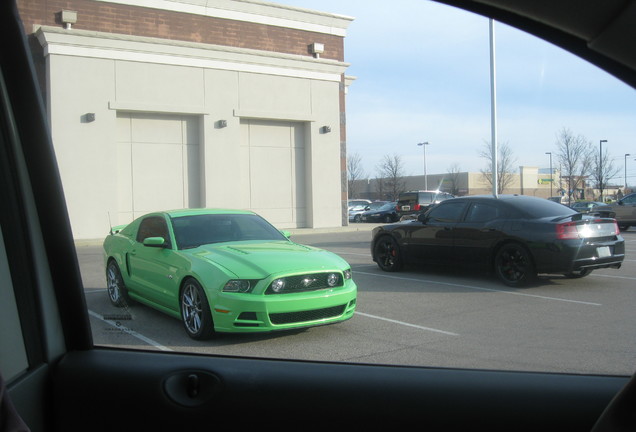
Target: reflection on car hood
(258,259)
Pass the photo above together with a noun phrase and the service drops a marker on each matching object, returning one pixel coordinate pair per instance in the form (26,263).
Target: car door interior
(66,384)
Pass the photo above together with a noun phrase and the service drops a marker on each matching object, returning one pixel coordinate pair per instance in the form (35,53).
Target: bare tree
(354,172)
(453,178)
(391,171)
(575,158)
(603,169)
(505,163)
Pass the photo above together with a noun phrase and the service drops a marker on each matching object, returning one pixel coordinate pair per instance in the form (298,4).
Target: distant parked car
(385,213)
(559,199)
(623,210)
(355,213)
(514,236)
(410,204)
(586,206)
(357,203)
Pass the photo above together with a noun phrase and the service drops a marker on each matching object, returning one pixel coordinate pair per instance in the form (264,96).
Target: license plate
(406,208)
(603,251)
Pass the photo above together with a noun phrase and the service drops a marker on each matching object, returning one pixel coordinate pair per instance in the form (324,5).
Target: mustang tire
(195,311)
(117,292)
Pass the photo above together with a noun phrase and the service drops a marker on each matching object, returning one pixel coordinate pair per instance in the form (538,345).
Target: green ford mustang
(226,271)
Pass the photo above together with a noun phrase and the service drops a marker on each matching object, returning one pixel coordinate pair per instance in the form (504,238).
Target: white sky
(423,74)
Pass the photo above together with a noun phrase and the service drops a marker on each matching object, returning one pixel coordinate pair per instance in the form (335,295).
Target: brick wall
(140,21)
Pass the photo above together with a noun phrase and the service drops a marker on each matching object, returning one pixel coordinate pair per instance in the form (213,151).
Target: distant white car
(355,212)
(358,202)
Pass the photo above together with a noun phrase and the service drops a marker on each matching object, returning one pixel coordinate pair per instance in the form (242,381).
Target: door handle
(192,388)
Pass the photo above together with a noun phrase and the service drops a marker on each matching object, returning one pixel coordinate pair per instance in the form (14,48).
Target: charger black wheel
(514,266)
(387,254)
(195,311)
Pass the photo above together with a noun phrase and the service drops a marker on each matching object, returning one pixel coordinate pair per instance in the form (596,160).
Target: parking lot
(441,317)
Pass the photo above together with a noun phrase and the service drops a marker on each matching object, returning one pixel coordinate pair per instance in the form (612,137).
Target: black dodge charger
(515,236)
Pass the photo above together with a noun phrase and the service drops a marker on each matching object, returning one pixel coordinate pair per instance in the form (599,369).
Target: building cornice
(91,44)
(252,11)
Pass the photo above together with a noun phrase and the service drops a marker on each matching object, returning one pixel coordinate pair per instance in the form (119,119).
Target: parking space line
(479,288)
(613,276)
(407,324)
(130,332)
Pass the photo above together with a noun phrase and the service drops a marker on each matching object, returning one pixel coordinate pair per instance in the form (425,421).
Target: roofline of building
(253,11)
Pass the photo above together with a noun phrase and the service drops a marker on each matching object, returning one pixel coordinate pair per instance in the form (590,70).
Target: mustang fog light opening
(278,285)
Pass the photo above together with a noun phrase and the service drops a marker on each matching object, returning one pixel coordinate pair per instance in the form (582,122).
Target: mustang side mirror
(422,218)
(155,242)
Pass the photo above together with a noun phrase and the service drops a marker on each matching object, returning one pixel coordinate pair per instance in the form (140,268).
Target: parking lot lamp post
(424,144)
(625,173)
(600,168)
(551,178)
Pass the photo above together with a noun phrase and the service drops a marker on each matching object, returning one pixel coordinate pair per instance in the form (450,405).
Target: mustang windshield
(196,230)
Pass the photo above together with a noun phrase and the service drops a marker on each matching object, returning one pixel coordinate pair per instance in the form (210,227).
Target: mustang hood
(257,260)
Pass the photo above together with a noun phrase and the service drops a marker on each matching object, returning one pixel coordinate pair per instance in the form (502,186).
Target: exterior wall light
(68,18)
(325,129)
(316,49)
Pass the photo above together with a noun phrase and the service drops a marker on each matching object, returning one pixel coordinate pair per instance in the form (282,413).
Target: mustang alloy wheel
(195,311)
(514,266)
(387,254)
(117,292)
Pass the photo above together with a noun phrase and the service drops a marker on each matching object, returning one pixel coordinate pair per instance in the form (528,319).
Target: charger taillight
(567,230)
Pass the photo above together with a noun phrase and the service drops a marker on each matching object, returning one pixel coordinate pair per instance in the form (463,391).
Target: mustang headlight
(347,274)
(332,279)
(239,286)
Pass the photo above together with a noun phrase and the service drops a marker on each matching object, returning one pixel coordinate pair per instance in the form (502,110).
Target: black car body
(385,213)
(623,210)
(412,203)
(516,236)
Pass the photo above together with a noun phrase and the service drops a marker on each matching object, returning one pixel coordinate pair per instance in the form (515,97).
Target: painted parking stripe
(130,332)
(477,288)
(407,324)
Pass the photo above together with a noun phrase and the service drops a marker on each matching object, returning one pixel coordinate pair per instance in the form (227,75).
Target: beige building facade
(142,122)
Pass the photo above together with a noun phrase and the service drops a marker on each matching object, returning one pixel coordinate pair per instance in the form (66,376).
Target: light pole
(600,168)
(424,144)
(625,173)
(551,178)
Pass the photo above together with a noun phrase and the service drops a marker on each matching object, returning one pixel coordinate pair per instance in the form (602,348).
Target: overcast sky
(422,74)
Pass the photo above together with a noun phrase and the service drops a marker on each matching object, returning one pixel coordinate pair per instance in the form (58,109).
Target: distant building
(529,181)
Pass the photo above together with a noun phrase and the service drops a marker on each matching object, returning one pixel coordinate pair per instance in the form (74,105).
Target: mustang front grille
(303,316)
